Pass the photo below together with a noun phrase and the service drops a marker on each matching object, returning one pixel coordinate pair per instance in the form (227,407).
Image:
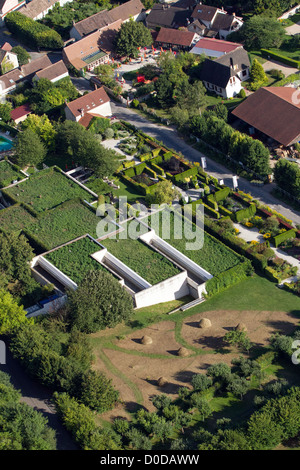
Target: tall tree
(132,35)
(11,314)
(30,149)
(99,302)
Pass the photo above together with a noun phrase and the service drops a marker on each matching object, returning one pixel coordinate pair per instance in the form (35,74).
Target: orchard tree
(131,36)
(99,302)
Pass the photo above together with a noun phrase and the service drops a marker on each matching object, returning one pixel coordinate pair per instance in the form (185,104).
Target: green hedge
(281,237)
(245,213)
(211,212)
(228,278)
(221,194)
(225,212)
(281,58)
(35,34)
(271,274)
(211,202)
(180,177)
(156,168)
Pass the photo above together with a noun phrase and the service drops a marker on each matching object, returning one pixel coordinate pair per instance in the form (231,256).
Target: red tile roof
(88,102)
(21,111)
(275,111)
(175,36)
(217,45)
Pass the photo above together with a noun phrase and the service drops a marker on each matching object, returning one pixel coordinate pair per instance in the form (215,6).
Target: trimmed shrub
(271,274)
(281,237)
(31,32)
(180,177)
(211,202)
(225,212)
(245,213)
(281,58)
(211,212)
(222,194)
(228,278)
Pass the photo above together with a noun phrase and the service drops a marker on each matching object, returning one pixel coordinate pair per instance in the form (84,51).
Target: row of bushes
(281,58)
(31,32)
(281,237)
(228,278)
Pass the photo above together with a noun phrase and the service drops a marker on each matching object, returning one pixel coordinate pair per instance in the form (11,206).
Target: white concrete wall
(50,307)
(179,257)
(289,13)
(56,273)
(121,267)
(173,288)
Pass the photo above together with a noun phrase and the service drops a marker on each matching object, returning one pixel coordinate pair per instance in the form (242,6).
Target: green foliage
(11,314)
(46,96)
(5,109)
(60,18)
(260,31)
(164,193)
(35,34)
(22,54)
(281,237)
(286,171)
(238,338)
(80,421)
(228,278)
(96,391)
(99,302)
(201,382)
(30,149)
(9,173)
(42,126)
(258,77)
(132,35)
(281,58)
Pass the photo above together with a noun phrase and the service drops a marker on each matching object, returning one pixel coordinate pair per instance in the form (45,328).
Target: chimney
(81,112)
(233,14)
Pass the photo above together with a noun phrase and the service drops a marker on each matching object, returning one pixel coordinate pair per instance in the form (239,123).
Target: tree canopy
(99,302)
(132,35)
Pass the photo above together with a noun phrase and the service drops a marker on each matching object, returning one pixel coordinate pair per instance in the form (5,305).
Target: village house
(274,112)
(20,113)
(93,50)
(94,104)
(10,80)
(133,9)
(213,22)
(176,39)
(38,9)
(53,72)
(168,16)
(224,75)
(8,59)
(6,6)
(214,47)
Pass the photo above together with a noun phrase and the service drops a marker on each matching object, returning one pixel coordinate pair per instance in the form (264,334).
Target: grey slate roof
(168,16)
(219,71)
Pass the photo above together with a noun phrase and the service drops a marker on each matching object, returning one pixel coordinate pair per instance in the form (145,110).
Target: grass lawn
(65,223)
(47,189)
(127,190)
(215,257)
(8,174)
(141,258)
(74,260)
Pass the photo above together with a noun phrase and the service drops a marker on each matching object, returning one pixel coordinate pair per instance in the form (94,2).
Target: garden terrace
(145,261)
(214,257)
(74,259)
(9,173)
(38,190)
(65,223)
(15,219)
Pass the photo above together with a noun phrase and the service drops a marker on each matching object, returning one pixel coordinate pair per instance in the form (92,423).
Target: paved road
(273,64)
(39,398)
(169,136)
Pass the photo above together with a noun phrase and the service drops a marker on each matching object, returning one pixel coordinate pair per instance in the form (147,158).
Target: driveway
(292,30)
(169,136)
(272,64)
(39,398)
